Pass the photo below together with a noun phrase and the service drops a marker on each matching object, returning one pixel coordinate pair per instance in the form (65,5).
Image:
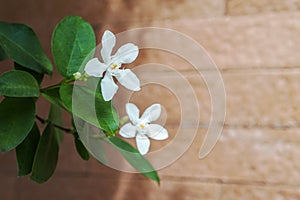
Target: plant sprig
(73,44)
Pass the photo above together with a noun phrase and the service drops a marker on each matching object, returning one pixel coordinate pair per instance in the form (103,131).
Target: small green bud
(77,75)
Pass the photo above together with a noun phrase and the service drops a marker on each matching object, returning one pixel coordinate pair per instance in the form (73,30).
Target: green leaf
(73,43)
(18,84)
(3,55)
(26,150)
(133,156)
(17,117)
(21,44)
(90,107)
(81,150)
(65,93)
(106,112)
(38,77)
(91,140)
(46,156)
(55,117)
(52,95)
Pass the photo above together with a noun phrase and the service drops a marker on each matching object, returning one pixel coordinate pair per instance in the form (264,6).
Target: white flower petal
(157,132)
(133,113)
(152,113)
(108,43)
(95,68)
(142,143)
(128,131)
(128,79)
(126,53)
(108,87)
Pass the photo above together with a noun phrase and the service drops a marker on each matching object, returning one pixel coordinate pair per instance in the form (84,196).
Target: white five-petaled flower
(111,65)
(141,127)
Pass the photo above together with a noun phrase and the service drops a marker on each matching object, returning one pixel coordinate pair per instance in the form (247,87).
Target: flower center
(113,66)
(142,126)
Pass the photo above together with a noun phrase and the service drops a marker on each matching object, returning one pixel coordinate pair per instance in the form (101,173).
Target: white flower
(141,127)
(111,65)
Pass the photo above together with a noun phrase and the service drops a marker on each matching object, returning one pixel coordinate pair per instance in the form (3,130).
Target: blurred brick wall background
(255,43)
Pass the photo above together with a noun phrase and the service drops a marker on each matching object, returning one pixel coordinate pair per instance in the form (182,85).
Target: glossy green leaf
(65,93)
(18,84)
(133,156)
(55,117)
(81,150)
(91,140)
(52,95)
(38,77)
(21,44)
(73,43)
(99,113)
(46,156)
(17,117)
(25,152)
(106,112)
(3,55)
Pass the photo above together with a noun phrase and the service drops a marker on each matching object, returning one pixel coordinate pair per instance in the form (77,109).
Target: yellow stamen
(114,66)
(142,126)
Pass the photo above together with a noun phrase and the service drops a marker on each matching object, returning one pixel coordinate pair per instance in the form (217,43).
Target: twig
(43,121)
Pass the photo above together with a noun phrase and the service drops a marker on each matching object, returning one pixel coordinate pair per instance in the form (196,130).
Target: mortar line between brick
(149,21)
(263,126)
(228,181)
(260,68)
(279,126)
(233,69)
(226,10)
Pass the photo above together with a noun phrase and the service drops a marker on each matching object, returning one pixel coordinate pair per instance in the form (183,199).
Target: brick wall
(255,44)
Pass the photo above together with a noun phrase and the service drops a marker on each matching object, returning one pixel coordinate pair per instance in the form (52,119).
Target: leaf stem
(40,119)
(51,87)
(43,121)
(58,84)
